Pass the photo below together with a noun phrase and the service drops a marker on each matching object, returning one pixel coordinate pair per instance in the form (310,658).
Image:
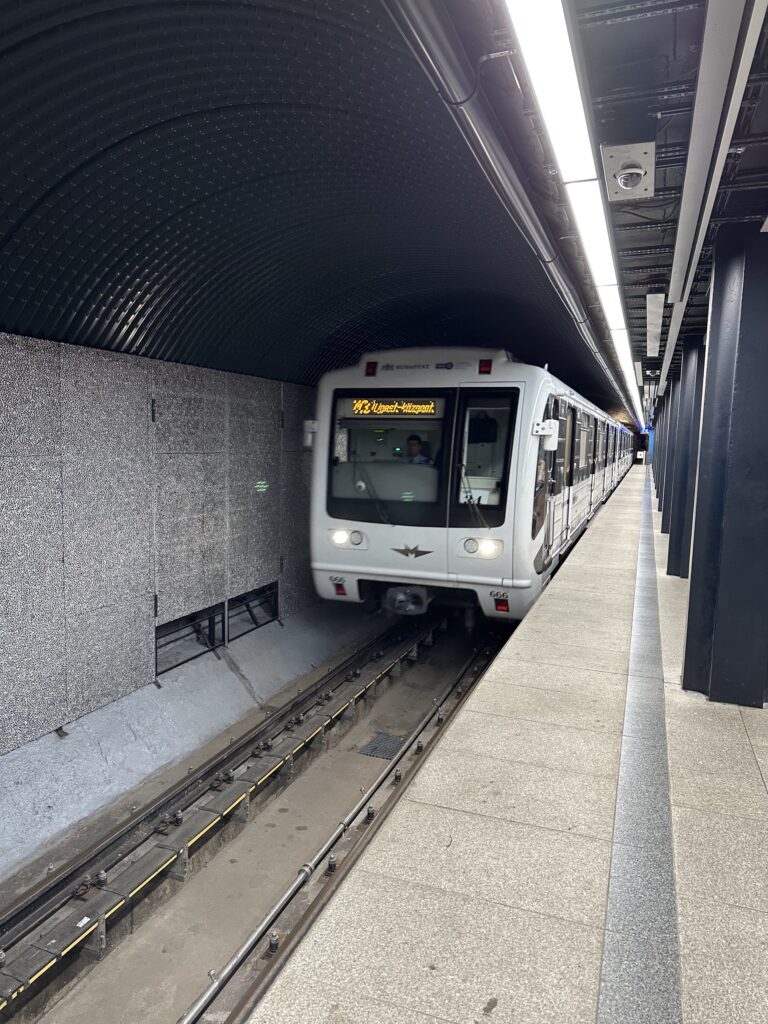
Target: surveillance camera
(630,176)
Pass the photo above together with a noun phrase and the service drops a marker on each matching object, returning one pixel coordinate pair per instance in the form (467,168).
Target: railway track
(260,957)
(67,920)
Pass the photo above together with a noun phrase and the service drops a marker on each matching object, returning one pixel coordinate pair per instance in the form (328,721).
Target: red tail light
(370,369)
(340,590)
(485,366)
(502,604)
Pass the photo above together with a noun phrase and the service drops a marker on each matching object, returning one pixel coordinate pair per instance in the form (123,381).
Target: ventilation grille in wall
(249,611)
(188,637)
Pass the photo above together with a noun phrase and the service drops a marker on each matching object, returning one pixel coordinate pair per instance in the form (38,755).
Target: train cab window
(484,428)
(389,456)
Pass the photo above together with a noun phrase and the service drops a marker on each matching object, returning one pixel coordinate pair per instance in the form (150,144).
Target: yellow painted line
(340,711)
(3,1004)
(359,694)
(297,749)
(18,992)
(154,875)
(202,833)
(312,735)
(85,934)
(109,913)
(232,806)
(270,772)
(47,967)
(251,789)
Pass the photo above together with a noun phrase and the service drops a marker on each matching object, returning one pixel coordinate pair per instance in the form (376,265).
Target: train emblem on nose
(411,552)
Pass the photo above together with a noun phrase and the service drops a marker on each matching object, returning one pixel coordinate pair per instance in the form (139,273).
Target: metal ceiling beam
(731,33)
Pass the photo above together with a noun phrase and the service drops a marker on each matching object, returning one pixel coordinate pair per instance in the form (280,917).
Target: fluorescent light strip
(654,314)
(542,32)
(610,300)
(639,375)
(587,205)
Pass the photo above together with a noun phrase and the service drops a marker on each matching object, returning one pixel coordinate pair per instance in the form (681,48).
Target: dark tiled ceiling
(262,187)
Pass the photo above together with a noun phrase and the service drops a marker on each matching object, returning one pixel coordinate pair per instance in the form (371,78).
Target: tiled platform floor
(527,873)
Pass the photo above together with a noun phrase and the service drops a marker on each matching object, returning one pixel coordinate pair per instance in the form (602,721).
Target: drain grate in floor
(383,745)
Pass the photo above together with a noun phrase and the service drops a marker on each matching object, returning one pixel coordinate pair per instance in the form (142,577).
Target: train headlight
(482,547)
(340,537)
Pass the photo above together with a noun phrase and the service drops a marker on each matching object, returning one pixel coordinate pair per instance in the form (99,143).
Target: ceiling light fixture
(545,44)
(654,315)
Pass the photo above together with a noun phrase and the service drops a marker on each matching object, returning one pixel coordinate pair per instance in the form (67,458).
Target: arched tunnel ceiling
(268,188)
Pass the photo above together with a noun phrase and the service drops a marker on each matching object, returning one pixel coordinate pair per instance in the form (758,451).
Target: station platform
(586,842)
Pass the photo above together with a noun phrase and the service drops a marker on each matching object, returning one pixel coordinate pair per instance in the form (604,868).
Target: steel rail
(222,977)
(37,904)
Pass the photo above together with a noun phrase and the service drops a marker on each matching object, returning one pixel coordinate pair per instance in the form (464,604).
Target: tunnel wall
(124,478)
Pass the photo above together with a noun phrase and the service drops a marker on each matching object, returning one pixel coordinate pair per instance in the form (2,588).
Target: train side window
(570,447)
(559,412)
(584,446)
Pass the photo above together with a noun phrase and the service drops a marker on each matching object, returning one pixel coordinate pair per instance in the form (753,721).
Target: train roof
(430,366)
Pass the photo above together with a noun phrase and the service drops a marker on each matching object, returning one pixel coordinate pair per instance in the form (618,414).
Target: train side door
(482,495)
(568,461)
(592,461)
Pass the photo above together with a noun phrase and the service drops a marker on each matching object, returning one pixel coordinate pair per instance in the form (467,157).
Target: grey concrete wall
(101,508)
(50,784)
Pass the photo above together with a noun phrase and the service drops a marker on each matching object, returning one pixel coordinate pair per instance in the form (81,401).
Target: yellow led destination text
(392,407)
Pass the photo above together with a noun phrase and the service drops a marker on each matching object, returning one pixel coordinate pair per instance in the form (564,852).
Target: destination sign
(391,406)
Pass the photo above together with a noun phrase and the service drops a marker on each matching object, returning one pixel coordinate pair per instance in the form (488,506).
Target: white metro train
(459,476)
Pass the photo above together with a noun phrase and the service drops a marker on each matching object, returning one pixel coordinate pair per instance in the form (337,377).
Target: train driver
(413,452)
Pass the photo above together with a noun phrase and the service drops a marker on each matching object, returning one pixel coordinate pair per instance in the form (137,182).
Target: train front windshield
(391,456)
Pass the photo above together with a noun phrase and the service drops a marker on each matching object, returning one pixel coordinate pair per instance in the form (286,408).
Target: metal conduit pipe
(432,37)
(220,978)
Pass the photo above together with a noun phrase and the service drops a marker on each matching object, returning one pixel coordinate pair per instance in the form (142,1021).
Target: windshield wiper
(474,503)
(369,484)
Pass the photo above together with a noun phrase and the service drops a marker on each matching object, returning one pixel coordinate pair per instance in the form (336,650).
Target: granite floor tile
(642,891)
(296,999)
(585,751)
(698,743)
(756,723)
(601,712)
(582,682)
(517,792)
(640,981)
(570,655)
(724,964)
(721,859)
(452,956)
(739,795)
(596,636)
(509,863)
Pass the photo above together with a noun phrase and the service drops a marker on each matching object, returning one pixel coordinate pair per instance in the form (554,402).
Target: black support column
(726,649)
(663,417)
(671,454)
(686,445)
